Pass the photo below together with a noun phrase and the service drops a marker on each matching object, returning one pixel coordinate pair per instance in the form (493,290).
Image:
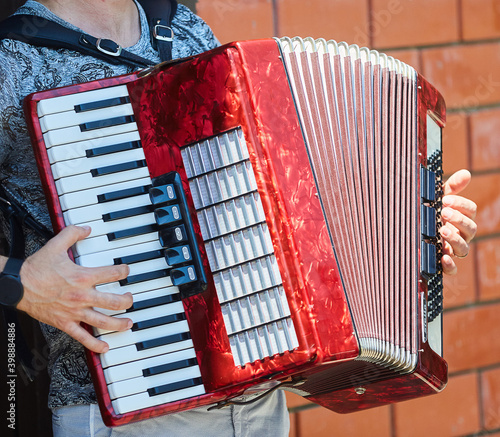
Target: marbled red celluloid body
(241,85)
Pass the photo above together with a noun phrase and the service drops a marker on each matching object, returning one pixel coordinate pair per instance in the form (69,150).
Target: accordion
(278,203)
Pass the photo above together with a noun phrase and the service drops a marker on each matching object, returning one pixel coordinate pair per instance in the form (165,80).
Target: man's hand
(60,293)
(458,216)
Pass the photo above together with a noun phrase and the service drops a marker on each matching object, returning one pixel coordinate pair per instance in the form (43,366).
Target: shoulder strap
(160,14)
(44,33)
(40,32)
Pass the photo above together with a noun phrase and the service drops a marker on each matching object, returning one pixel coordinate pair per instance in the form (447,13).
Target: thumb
(457,182)
(70,235)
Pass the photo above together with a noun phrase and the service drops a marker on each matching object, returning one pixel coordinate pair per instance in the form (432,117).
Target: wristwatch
(11,288)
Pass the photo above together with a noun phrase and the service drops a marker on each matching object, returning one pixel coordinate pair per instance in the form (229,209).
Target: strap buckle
(5,201)
(156,33)
(108,51)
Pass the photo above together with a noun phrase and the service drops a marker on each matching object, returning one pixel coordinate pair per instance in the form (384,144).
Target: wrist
(3,261)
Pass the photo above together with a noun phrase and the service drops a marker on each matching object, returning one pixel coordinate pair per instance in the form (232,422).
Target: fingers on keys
(80,334)
(454,220)
(455,244)
(457,182)
(103,275)
(70,235)
(449,266)
(461,204)
(458,218)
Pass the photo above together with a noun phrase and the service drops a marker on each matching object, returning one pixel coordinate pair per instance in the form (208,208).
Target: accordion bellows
(278,202)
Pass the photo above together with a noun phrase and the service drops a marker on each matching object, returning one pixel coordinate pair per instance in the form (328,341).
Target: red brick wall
(456,45)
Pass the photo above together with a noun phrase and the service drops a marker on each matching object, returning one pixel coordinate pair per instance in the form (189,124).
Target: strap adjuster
(160,27)
(108,50)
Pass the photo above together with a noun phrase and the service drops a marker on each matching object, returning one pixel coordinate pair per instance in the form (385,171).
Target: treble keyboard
(103,182)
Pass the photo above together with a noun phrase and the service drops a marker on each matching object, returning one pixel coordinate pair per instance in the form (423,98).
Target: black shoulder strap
(40,32)
(160,14)
(44,33)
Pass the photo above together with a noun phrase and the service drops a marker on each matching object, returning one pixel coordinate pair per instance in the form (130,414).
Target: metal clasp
(117,53)
(5,201)
(159,37)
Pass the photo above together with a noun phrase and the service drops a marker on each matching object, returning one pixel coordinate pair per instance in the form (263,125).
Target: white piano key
(147,314)
(79,149)
(134,369)
(107,258)
(74,134)
(126,338)
(129,387)
(101,243)
(89,197)
(94,212)
(71,118)
(129,353)
(100,227)
(84,165)
(148,266)
(143,400)
(86,181)
(140,287)
(66,103)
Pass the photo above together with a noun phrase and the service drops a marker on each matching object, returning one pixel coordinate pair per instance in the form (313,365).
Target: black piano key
(132,232)
(142,277)
(173,236)
(110,122)
(123,194)
(163,341)
(114,148)
(116,168)
(178,255)
(149,303)
(124,213)
(159,321)
(169,367)
(179,385)
(167,215)
(162,194)
(100,104)
(139,257)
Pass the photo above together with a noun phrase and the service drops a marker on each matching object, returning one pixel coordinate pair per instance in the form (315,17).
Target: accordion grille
(239,248)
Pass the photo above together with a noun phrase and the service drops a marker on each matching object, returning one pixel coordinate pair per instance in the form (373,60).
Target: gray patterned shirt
(25,69)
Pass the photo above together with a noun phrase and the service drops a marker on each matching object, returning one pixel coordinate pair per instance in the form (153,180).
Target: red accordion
(278,203)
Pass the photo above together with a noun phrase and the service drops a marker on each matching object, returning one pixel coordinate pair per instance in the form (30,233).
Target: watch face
(11,290)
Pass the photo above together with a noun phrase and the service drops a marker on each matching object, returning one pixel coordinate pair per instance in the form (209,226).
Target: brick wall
(456,45)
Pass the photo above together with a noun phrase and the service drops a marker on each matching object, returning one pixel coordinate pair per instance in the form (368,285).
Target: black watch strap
(11,288)
(13,267)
